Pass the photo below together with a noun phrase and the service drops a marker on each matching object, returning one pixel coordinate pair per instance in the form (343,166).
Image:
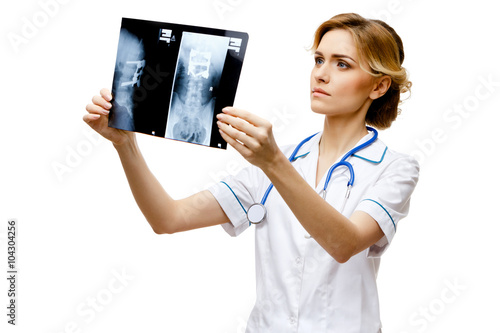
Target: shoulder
(380,159)
(402,158)
(395,162)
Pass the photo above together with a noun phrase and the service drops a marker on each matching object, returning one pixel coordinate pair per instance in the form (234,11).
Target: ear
(381,85)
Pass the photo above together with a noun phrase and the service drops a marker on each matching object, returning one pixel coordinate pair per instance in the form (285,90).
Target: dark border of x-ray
(231,73)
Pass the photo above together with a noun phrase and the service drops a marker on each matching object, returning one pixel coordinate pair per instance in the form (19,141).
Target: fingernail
(226,109)
(106,112)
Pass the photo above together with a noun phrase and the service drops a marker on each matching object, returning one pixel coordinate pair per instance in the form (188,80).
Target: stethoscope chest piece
(256,213)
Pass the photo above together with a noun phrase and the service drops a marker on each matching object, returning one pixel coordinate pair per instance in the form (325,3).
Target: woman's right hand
(97,118)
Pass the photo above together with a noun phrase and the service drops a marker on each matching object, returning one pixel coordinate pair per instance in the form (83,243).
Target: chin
(320,109)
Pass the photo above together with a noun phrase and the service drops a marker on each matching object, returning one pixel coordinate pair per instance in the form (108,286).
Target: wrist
(128,146)
(276,164)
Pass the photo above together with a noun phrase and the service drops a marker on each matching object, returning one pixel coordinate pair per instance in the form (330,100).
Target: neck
(339,136)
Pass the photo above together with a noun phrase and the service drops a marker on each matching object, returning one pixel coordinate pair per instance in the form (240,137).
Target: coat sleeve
(388,200)
(236,193)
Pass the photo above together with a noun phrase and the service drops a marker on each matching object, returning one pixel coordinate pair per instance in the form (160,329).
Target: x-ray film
(171,80)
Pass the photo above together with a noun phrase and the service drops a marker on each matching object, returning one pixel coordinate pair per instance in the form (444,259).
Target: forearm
(333,231)
(154,202)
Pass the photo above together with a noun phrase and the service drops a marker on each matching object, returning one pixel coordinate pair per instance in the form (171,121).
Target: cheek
(357,85)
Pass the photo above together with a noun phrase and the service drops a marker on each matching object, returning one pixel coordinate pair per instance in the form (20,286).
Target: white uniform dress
(300,287)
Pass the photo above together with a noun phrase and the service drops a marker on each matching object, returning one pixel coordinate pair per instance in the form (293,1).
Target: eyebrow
(336,55)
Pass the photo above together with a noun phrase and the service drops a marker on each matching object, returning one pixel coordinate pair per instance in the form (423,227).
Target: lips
(319,92)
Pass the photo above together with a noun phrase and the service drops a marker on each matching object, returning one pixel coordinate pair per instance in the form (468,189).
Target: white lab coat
(300,287)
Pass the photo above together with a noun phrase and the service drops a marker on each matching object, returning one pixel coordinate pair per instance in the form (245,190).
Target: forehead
(338,41)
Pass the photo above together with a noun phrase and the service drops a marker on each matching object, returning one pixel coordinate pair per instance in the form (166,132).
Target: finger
(238,135)
(96,109)
(88,118)
(106,94)
(248,116)
(235,144)
(99,100)
(238,123)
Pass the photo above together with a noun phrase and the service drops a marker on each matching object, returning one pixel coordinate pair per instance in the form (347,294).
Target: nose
(321,74)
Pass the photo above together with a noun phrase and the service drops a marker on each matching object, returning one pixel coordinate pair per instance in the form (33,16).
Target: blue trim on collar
(297,157)
(372,161)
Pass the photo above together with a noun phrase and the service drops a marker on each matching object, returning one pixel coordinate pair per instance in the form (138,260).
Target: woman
(317,255)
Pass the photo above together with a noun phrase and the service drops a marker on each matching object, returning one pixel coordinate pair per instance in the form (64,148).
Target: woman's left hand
(250,135)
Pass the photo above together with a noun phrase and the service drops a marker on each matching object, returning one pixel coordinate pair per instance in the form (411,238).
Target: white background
(79,225)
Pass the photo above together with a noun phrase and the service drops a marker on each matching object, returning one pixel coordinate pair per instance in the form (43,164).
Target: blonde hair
(382,48)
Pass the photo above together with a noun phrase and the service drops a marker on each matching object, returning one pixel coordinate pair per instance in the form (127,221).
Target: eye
(343,64)
(318,61)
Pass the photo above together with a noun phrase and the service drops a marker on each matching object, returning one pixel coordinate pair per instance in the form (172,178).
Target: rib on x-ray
(129,67)
(198,72)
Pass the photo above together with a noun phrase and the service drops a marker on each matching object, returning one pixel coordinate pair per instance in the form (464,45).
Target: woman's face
(339,87)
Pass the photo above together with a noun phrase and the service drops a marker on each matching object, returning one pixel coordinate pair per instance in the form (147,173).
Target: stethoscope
(257,212)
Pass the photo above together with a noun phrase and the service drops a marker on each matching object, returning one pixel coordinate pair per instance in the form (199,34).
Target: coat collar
(374,153)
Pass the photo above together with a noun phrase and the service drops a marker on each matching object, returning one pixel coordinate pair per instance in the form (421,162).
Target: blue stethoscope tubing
(257,212)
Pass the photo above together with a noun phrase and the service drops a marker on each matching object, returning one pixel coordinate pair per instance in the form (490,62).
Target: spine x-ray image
(171,80)
(198,72)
